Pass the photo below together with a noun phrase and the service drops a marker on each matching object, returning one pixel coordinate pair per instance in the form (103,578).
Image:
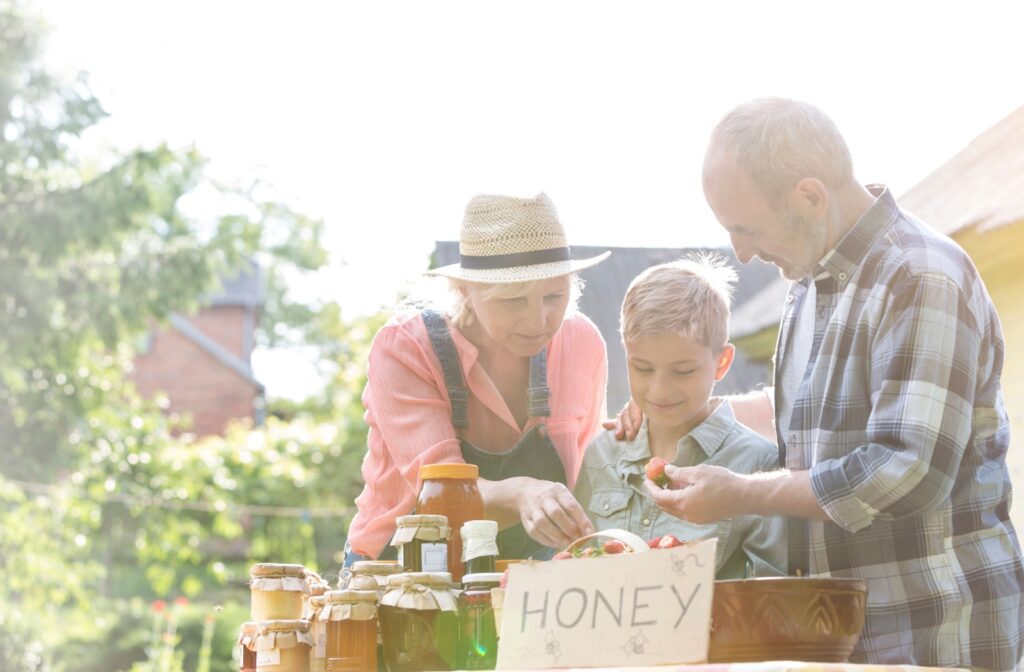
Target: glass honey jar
(451,490)
(283,646)
(419,622)
(278,591)
(478,633)
(350,617)
(423,543)
(246,650)
(317,628)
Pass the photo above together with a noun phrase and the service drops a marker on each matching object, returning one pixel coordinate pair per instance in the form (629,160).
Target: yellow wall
(999,256)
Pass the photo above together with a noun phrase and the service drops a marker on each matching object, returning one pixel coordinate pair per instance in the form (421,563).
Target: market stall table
(776,666)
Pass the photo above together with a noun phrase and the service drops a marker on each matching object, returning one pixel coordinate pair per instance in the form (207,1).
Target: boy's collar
(709,435)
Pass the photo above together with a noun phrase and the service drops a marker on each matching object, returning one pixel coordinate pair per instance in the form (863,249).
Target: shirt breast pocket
(609,508)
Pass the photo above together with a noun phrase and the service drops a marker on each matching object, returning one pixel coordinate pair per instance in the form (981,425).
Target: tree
(93,252)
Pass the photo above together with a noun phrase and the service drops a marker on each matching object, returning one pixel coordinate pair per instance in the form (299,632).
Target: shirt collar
(842,260)
(709,435)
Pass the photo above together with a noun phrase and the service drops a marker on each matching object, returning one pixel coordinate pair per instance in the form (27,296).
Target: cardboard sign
(616,611)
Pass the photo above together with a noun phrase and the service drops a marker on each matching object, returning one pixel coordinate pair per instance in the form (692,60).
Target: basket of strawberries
(604,542)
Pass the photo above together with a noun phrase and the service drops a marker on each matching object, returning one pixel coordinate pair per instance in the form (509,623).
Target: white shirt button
(790,298)
(605,507)
(647,521)
(842,276)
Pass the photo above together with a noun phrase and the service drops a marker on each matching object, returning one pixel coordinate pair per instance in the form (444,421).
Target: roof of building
(182,325)
(982,186)
(605,287)
(245,287)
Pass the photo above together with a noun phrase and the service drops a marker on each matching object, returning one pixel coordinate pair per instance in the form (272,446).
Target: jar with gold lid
(451,490)
(422,543)
(419,622)
(283,646)
(350,617)
(278,591)
(246,650)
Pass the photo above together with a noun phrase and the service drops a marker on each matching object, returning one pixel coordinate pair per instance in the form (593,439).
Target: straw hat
(506,239)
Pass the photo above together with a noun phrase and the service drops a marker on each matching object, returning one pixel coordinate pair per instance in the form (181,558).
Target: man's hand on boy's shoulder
(627,423)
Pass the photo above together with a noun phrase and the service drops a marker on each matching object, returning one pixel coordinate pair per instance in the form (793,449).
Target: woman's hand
(550,514)
(628,423)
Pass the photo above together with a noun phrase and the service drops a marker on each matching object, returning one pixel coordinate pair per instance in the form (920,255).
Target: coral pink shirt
(409,415)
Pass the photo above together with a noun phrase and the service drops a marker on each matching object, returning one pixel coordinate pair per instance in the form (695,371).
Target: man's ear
(810,196)
(725,358)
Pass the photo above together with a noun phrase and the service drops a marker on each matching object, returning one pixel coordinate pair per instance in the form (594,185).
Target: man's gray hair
(780,142)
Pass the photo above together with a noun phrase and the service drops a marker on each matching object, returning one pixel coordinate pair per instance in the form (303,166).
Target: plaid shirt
(900,418)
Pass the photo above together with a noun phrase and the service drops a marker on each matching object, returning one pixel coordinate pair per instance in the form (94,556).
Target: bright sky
(385,117)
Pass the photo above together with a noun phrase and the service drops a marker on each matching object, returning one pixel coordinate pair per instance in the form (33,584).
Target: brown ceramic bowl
(794,618)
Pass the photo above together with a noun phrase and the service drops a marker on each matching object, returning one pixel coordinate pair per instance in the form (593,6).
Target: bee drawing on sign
(635,644)
(679,564)
(551,646)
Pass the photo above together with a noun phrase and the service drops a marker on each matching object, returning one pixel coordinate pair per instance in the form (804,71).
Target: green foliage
(104,505)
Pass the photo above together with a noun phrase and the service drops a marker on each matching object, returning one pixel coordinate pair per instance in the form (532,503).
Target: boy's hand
(628,422)
(702,494)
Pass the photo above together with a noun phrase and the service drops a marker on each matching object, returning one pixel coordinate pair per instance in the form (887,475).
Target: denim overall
(533,455)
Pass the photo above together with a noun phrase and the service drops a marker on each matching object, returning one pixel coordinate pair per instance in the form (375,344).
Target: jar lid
(350,596)
(249,628)
(366,582)
(269,569)
(376,567)
(482,577)
(502,565)
(453,470)
(486,529)
(436,579)
(297,625)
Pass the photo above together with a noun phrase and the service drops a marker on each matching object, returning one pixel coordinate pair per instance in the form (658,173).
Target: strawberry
(563,555)
(614,547)
(653,543)
(503,581)
(656,471)
(669,541)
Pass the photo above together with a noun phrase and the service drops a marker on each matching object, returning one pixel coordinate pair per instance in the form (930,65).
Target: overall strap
(538,393)
(444,348)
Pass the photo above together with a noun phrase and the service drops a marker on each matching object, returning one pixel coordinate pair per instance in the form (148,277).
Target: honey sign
(626,610)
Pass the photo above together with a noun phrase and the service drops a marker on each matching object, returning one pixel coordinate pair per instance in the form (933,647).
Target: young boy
(675,329)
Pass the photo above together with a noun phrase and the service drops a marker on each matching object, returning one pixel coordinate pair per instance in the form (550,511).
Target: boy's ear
(725,358)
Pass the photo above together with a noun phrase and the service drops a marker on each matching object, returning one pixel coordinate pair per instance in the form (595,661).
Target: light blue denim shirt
(610,489)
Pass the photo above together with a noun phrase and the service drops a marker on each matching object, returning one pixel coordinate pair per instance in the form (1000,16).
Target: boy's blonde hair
(689,297)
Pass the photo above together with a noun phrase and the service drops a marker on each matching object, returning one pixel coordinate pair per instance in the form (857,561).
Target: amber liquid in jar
(450,490)
(352,645)
(248,660)
(419,639)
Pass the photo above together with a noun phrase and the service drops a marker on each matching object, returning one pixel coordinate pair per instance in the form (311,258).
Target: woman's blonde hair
(447,295)
(688,297)
(462,315)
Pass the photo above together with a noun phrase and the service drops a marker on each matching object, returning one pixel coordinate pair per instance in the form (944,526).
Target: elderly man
(887,406)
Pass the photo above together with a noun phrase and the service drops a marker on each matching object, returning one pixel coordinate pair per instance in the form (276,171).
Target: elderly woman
(533,370)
